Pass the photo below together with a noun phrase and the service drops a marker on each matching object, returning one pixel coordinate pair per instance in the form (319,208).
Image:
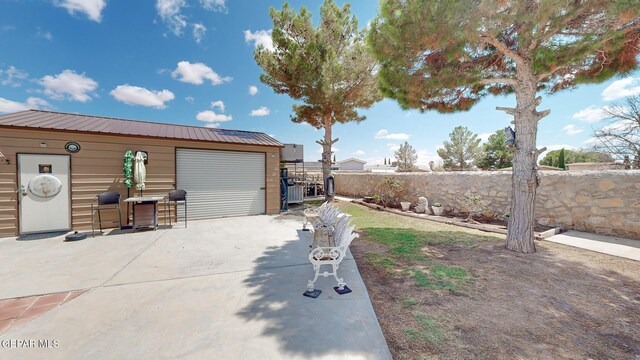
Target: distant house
(351,164)
(595,166)
(379,168)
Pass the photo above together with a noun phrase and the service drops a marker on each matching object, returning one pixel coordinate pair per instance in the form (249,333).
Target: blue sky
(191,62)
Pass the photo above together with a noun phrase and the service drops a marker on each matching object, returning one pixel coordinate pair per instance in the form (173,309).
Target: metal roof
(51,120)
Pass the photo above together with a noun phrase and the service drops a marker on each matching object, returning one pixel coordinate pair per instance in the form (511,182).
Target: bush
(390,190)
(473,204)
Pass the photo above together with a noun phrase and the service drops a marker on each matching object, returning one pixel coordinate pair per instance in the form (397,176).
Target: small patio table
(145,211)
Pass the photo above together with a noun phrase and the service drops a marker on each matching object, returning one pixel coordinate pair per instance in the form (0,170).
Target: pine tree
(328,68)
(447,55)
(495,154)
(461,151)
(406,157)
(561,163)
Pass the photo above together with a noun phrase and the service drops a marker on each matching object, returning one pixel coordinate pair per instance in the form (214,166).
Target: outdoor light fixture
(3,159)
(43,144)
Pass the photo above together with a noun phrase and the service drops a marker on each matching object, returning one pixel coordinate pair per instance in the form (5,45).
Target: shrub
(390,190)
(473,204)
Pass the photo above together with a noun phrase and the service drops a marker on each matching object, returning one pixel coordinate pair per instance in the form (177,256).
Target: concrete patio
(218,289)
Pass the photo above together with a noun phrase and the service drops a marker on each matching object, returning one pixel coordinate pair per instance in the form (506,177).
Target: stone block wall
(605,202)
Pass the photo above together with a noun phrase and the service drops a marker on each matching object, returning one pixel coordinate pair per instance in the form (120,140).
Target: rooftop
(51,120)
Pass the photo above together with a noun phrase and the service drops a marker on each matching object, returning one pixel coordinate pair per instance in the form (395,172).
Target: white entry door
(221,183)
(43,182)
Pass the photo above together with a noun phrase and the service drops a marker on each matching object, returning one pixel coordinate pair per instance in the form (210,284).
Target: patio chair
(109,200)
(178,197)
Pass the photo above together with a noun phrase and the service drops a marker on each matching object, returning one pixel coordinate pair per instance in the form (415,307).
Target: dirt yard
(443,292)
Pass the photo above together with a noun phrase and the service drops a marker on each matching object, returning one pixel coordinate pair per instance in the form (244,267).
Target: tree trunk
(525,179)
(326,143)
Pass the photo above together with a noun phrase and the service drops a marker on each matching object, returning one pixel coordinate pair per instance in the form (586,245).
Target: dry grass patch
(443,292)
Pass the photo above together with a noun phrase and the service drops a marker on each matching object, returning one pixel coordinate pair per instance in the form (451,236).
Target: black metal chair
(178,197)
(105,201)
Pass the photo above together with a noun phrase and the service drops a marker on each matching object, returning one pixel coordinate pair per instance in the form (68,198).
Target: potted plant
(437,208)
(405,205)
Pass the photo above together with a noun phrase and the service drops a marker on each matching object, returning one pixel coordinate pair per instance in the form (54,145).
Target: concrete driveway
(219,289)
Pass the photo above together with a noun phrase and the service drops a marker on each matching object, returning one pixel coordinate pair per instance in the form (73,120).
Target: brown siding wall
(98,167)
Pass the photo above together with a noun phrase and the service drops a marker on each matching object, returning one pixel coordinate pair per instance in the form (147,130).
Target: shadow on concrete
(331,326)
(40,236)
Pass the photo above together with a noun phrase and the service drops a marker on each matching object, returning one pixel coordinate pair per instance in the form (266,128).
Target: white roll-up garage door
(221,183)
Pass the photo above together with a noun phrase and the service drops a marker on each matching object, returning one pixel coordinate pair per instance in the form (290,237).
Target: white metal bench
(342,230)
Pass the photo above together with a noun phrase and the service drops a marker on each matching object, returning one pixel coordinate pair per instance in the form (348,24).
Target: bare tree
(621,134)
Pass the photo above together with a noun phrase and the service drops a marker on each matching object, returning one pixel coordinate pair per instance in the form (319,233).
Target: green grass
(407,241)
(442,277)
(409,302)
(429,330)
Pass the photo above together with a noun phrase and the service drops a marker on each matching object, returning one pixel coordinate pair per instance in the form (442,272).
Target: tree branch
(498,81)
(540,151)
(540,115)
(508,110)
(323,143)
(503,49)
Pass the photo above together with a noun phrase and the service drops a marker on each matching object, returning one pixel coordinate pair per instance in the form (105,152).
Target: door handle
(22,191)
(263,188)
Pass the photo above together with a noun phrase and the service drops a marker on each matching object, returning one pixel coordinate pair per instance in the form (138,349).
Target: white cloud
(197,73)
(210,116)
(253,90)
(213,125)
(69,85)
(190,99)
(259,38)
(169,11)
(622,88)
(263,111)
(384,134)
(215,5)
(7,28)
(572,129)
(135,95)
(91,8)
(8,106)
(556,147)
(484,137)
(13,77)
(592,114)
(218,104)
(199,31)
(393,147)
(44,34)
(359,152)
(425,156)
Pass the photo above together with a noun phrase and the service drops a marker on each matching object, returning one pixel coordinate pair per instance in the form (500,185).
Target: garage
(225,172)
(221,183)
